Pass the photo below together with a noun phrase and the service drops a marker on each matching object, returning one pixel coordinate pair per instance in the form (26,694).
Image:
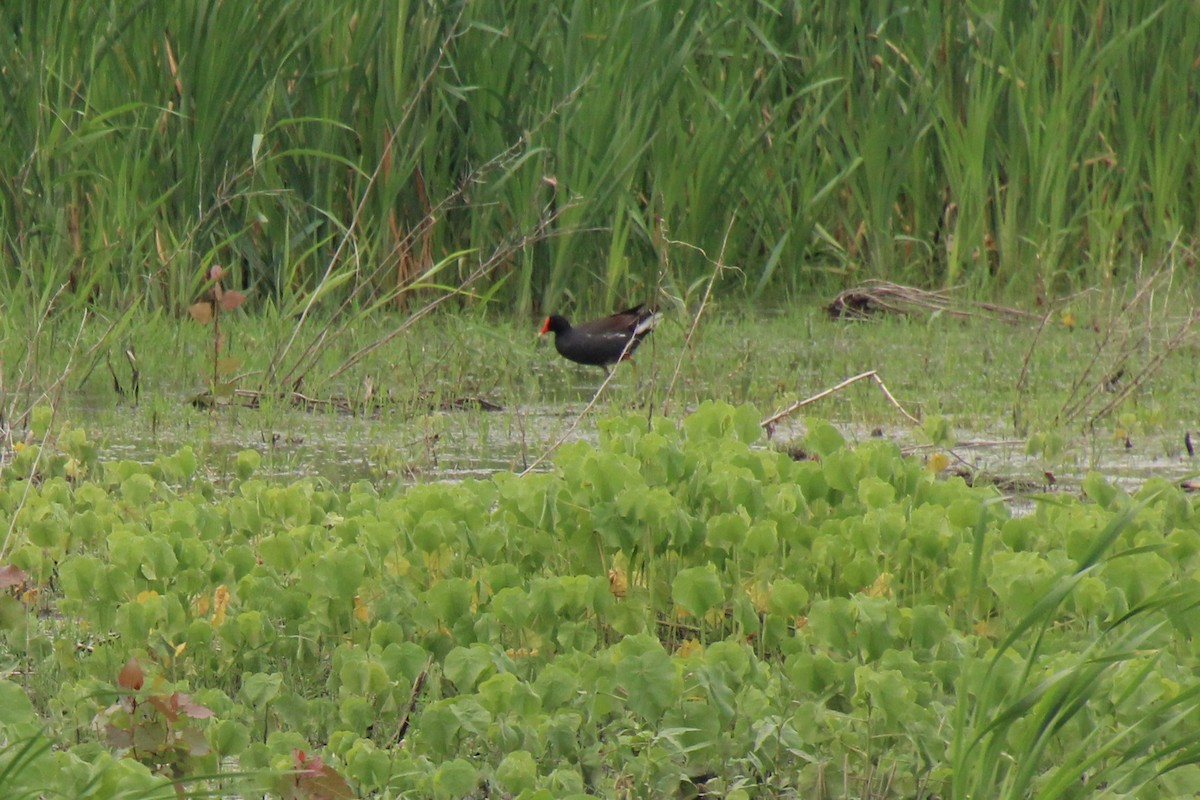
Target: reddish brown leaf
(150,736)
(201,312)
(165,705)
(131,676)
(12,576)
(329,785)
(194,710)
(306,765)
(315,780)
(197,744)
(231,300)
(118,737)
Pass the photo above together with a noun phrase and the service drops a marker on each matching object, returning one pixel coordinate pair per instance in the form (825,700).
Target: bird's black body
(603,341)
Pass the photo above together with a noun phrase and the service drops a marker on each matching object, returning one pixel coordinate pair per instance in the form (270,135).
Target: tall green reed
(1007,148)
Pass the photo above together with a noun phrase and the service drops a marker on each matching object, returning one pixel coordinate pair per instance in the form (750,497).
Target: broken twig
(769,422)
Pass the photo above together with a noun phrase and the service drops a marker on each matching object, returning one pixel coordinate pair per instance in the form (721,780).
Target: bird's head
(553,324)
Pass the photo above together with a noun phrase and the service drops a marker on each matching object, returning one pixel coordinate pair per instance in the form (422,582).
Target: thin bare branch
(769,422)
(579,417)
(719,267)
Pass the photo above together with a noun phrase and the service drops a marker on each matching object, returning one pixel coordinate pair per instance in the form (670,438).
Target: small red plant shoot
(215,300)
(312,779)
(157,729)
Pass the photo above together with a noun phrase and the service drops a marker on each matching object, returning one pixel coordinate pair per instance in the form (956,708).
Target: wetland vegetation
(293,501)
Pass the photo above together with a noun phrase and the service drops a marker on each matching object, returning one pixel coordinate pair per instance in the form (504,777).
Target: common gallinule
(603,341)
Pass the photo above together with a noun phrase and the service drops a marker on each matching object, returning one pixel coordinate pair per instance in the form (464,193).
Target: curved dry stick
(413,699)
(769,422)
(539,232)
(362,203)
(575,423)
(1173,344)
(719,266)
(56,390)
(308,357)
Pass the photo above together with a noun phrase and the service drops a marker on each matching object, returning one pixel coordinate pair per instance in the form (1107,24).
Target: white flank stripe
(647,324)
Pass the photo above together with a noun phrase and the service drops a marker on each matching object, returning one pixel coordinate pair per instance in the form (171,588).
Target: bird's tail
(646,322)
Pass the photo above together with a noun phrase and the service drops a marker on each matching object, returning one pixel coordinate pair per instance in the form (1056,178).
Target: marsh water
(406,446)
(1027,405)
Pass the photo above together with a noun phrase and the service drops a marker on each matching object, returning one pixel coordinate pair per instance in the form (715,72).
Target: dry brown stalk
(769,422)
(578,417)
(719,266)
(1126,340)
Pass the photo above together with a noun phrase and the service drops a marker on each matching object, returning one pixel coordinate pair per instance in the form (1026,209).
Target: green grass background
(584,154)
